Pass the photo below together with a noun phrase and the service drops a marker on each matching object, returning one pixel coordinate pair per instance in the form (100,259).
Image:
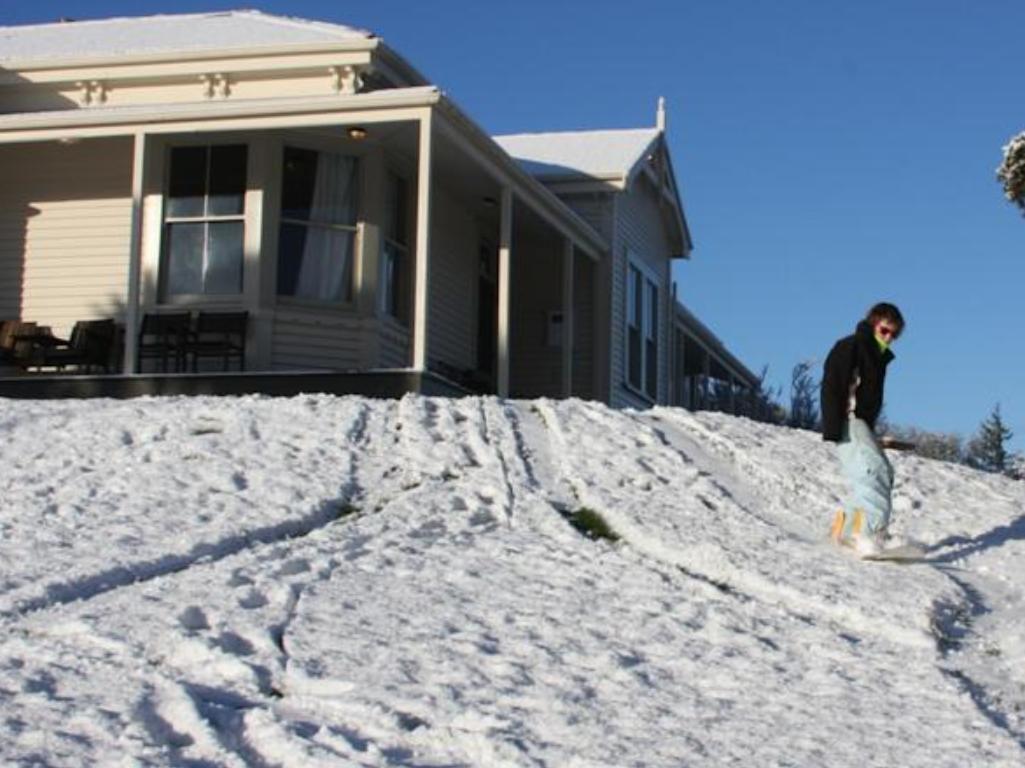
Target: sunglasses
(887,332)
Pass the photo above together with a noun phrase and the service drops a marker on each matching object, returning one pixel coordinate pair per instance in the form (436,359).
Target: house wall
(536,283)
(318,339)
(584,337)
(452,316)
(598,210)
(641,231)
(393,345)
(65,228)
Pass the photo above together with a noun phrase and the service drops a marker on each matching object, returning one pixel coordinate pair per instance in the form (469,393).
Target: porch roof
(398,104)
(687,320)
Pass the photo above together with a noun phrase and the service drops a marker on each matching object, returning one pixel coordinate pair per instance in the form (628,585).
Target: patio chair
(162,337)
(88,347)
(17,341)
(9,346)
(219,335)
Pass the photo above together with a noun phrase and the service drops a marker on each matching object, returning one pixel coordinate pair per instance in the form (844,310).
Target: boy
(852,398)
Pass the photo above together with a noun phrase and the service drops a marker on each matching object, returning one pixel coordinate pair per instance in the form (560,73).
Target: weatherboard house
(308,176)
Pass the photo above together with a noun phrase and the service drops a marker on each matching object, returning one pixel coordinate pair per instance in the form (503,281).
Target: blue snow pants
(869,476)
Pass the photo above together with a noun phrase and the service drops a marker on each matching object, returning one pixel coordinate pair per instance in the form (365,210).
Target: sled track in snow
(94,585)
(952,626)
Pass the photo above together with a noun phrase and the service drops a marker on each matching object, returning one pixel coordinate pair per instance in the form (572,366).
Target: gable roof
(567,155)
(611,158)
(164,34)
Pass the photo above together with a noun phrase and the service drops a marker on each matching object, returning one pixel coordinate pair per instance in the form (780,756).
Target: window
(204,221)
(642,331)
(395,249)
(317,239)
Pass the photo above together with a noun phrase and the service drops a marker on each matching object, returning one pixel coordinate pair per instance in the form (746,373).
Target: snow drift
(341,581)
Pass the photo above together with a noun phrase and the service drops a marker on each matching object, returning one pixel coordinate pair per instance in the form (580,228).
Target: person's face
(886,330)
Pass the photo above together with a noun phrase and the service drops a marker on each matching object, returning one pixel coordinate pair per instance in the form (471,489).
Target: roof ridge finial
(660,114)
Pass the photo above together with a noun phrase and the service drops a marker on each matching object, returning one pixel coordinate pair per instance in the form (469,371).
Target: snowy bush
(1011,172)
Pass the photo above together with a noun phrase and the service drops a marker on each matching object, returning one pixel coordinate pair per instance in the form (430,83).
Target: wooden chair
(88,347)
(219,335)
(9,346)
(163,337)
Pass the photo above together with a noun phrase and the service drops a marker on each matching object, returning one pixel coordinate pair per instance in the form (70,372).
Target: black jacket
(858,354)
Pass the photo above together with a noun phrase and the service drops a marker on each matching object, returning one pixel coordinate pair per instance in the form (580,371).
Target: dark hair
(886,311)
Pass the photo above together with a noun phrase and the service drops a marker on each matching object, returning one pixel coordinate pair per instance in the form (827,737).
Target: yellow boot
(858,524)
(836,529)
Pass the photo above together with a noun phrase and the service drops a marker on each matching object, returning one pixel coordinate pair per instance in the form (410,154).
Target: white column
(423,229)
(131,356)
(567,318)
(504,273)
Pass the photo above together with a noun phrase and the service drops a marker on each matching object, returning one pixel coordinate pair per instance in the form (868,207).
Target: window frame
(650,312)
(168,221)
(356,228)
(390,294)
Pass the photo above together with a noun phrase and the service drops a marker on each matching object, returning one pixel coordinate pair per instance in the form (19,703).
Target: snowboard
(910,552)
(896,445)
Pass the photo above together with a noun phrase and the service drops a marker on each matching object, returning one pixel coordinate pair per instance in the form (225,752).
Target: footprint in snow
(252,600)
(204,425)
(294,567)
(193,618)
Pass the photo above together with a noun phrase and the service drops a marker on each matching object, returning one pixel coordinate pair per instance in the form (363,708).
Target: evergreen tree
(988,449)
(1011,172)
(803,405)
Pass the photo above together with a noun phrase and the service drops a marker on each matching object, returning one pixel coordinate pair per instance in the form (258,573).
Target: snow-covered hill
(326,581)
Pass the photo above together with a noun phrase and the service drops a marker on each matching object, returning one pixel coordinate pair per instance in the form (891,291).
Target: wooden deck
(383,384)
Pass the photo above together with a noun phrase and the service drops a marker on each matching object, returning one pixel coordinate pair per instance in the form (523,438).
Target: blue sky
(830,153)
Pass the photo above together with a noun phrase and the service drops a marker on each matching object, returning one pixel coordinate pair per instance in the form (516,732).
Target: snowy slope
(339,581)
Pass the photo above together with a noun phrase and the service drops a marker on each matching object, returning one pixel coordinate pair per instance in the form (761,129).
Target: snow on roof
(597,154)
(144,35)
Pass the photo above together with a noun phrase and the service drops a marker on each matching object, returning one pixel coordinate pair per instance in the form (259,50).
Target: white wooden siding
(641,230)
(393,350)
(536,368)
(65,227)
(583,327)
(598,210)
(319,340)
(452,319)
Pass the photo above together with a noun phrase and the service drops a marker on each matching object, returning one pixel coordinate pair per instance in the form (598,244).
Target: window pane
(185,258)
(634,356)
(227,180)
(297,180)
(291,243)
(224,258)
(316,264)
(652,329)
(391,279)
(651,368)
(636,292)
(187,183)
(396,223)
(319,187)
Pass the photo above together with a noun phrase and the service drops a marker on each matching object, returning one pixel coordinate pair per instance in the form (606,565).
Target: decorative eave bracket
(92,92)
(345,80)
(216,84)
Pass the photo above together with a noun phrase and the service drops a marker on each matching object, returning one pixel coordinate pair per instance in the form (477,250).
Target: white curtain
(326,271)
